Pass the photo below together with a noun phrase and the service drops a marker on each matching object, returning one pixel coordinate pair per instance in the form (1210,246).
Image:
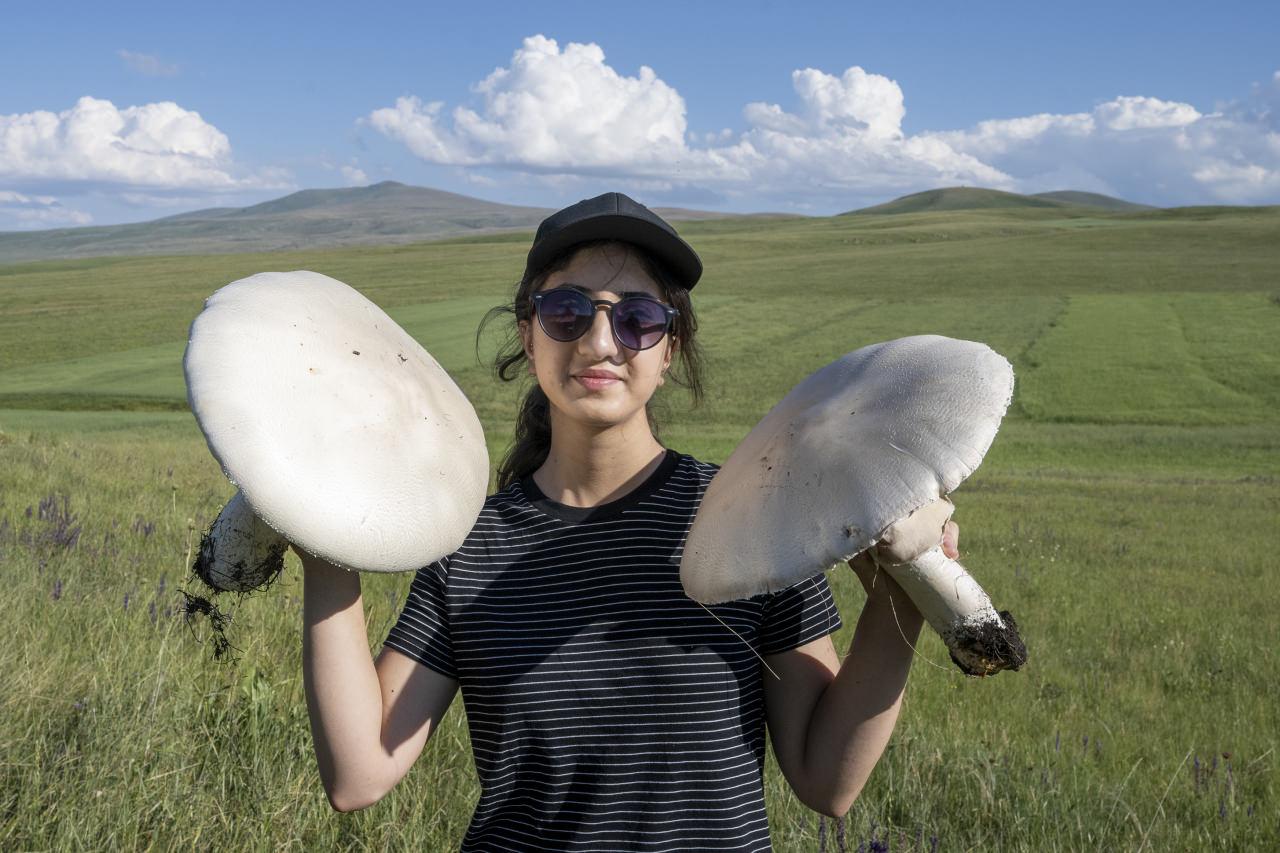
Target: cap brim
(673,252)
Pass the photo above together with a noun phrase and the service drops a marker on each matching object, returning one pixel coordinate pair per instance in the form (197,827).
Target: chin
(598,412)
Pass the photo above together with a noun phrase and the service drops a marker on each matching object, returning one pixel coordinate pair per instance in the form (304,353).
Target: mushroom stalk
(240,551)
(981,640)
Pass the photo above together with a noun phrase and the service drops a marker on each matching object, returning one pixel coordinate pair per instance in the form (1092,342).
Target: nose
(599,342)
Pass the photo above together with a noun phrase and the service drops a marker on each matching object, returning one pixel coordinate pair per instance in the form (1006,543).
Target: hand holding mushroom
(930,525)
(859,454)
(343,434)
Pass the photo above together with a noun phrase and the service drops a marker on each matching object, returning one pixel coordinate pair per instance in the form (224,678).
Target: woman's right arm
(369,722)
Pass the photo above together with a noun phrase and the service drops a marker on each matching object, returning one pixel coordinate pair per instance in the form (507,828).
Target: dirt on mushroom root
(245,579)
(196,606)
(990,647)
(242,576)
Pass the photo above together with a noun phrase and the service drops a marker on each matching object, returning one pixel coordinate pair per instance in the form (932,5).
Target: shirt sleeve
(799,614)
(422,631)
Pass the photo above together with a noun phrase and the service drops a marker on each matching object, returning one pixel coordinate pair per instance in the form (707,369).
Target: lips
(597,380)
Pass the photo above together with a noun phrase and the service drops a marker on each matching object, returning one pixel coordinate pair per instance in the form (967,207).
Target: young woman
(606,709)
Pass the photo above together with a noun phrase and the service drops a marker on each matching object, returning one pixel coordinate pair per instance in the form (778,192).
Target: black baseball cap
(614,216)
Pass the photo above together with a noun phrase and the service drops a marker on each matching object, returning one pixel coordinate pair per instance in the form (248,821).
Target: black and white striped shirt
(607,710)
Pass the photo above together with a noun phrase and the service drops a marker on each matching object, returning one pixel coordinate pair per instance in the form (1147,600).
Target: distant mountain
(384,213)
(388,212)
(976,198)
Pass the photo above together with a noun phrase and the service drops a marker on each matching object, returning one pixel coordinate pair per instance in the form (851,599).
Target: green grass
(1126,514)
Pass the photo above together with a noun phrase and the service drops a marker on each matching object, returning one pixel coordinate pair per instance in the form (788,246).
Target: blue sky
(127,111)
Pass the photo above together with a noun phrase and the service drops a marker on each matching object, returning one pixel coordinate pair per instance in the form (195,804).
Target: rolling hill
(977,198)
(1083,199)
(382,214)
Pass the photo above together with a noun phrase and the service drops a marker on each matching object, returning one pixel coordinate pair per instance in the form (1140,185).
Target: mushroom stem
(981,640)
(240,551)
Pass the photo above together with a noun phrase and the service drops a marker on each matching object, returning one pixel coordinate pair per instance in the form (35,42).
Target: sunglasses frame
(596,304)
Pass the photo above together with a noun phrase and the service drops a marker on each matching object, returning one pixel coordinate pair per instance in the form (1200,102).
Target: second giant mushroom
(861,453)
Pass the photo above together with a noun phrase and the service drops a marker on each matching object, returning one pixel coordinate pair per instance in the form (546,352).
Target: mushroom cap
(858,445)
(341,431)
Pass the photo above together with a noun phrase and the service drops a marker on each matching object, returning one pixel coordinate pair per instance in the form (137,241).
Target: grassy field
(1126,514)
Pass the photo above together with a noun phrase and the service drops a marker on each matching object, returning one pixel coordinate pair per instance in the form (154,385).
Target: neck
(588,466)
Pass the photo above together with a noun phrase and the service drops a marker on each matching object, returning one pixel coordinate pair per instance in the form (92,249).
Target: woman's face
(624,379)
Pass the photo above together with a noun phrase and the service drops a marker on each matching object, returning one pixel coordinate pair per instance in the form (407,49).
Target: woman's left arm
(829,722)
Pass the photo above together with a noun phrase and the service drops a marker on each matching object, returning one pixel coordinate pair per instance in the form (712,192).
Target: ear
(673,347)
(526,337)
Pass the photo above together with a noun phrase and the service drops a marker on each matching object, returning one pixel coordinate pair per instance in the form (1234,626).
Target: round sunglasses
(638,322)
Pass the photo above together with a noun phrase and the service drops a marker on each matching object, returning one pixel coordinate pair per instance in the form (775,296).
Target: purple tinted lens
(565,315)
(639,323)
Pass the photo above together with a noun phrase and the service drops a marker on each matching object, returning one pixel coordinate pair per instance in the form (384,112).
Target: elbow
(347,803)
(350,798)
(832,808)
(831,803)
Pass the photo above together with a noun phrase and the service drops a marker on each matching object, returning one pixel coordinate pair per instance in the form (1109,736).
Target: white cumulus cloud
(846,135)
(564,114)
(856,100)
(550,110)
(158,145)
(1142,148)
(1132,113)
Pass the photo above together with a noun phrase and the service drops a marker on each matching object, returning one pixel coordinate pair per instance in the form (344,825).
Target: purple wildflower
(61,529)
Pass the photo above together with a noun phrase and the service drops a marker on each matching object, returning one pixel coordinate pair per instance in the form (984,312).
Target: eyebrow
(624,293)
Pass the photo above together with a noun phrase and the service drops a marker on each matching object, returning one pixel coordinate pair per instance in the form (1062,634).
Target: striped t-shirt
(607,710)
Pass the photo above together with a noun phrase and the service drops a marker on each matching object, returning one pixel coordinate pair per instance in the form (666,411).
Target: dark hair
(531,441)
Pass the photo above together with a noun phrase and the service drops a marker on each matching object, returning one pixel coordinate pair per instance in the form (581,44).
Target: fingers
(951,540)
(865,568)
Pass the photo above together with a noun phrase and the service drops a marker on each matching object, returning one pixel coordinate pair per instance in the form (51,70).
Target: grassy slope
(1091,200)
(382,214)
(958,198)
(1125,515)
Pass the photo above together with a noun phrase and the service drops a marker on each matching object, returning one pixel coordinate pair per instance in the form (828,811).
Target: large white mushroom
(863,452)
(342,433)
